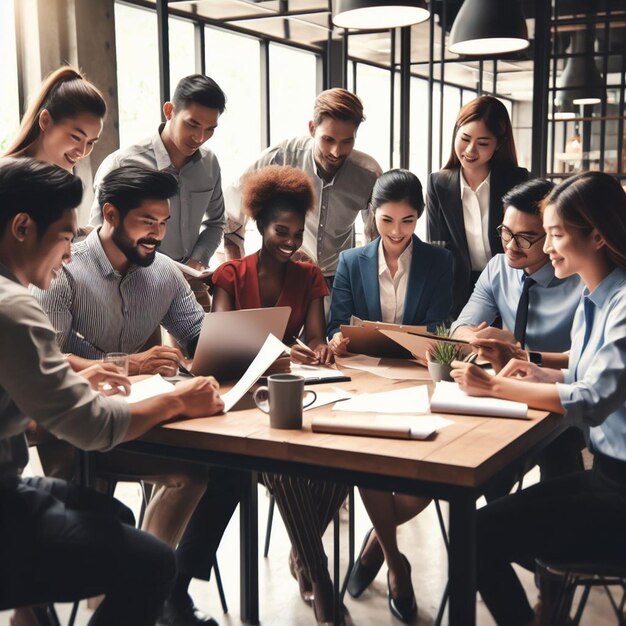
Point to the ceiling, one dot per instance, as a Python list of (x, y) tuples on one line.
[(307, 22)]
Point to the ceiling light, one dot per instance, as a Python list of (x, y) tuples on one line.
[(374, 14), (488, 27)]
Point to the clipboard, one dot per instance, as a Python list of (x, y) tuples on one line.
[(418, 343)]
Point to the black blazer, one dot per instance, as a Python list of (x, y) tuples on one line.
[(444, 221)]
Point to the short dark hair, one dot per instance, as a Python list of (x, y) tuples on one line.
[(528, 196), (399, 186), (199, 89), (41, 190), (127, 187)]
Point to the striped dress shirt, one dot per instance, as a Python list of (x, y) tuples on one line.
[(95, 309)]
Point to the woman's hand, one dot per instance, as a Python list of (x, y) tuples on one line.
[(105, 378), (498, 352), (339, 344), (324, 354), (304, 354), (473, 380), (530, 372), (282, 365)]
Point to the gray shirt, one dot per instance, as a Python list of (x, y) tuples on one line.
[(197, 211), (96, 309), (329, 228), (36, 382)]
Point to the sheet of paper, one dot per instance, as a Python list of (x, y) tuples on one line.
[(358, 362), (271, 350), (329, 397), (419, 343), (412, 400), (448, 398), (185, 269), (148, 388), (396, 426), (317, 372)]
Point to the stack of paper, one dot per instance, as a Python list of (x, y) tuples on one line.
[(448, 398), (394, 426), (410, 400), (148, 388)]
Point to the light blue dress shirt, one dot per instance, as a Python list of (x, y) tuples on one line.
[(594, 388), (551, 308)]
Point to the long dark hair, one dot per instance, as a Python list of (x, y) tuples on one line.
[(64, 94), (493, 113), (594, 200)]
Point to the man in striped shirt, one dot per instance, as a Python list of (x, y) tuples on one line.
[(112, 295)]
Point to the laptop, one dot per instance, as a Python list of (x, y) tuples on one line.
[(230, 340)]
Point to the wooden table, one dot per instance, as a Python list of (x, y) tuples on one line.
[(455, 466)]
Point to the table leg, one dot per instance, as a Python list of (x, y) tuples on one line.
[(462, 560), (249, 552)]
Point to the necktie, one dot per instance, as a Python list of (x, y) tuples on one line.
[(521, 317)]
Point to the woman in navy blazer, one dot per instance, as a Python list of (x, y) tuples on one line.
[(396, 278), (483, 145), (398, 203)]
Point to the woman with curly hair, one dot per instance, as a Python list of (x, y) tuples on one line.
[(278, 198)]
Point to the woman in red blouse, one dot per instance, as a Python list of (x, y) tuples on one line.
[(278, 198)]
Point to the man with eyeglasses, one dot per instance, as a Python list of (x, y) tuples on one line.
[(537, 310), (519, 286)]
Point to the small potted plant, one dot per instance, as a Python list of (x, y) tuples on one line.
[(440, 356)]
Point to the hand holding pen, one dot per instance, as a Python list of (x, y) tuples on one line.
[(301, 353)]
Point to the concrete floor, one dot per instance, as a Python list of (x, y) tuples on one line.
[(280, 604)]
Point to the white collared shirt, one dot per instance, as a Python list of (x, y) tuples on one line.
[(476, 218), (393, 290)]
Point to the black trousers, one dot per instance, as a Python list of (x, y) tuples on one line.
[(60, 542), (580, 517)]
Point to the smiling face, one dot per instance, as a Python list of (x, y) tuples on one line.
[(396, 223), (41, 257), (67, 141), (282, 236), (529, 226), (474, 145), (334, 141), (570, 250), (188, 128), (140, 233)]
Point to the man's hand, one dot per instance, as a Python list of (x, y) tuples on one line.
[(530, 372), (158, 360), (105, 378), (197, 282), (496, 333), (324, 354), (200, 396), (339, 344), (498, 352), (473, 380)]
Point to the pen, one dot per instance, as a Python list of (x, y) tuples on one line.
[(184, 370), (93, 345)]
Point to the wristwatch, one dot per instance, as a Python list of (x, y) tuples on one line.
[(536, 358)]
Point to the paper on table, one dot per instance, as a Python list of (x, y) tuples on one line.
[(271, 350), (410, 400), (359, 362), (448, 398), (148, 388), (316, 372), (328, 397), (396, 426), (192, 271)]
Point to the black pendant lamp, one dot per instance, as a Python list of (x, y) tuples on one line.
[(374, 14), (488, 27), (581, 82)]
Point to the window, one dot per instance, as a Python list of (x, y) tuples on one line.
[(237, 140), (182, 50), (292, 91), (9, 103), (137, 72), (373, 87)]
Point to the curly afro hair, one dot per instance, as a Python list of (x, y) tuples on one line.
[(276, 188)]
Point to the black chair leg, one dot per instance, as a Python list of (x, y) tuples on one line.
[(73, 614), (220, 587), (46, 615), (268, 529)]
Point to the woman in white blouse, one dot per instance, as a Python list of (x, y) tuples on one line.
[(399, 279), (580, 517)]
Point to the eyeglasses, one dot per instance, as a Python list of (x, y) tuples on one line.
[(520, 241)]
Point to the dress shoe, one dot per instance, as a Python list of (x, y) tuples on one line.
[(182, 612), (304, 583), (361, 575), (403, 608)]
